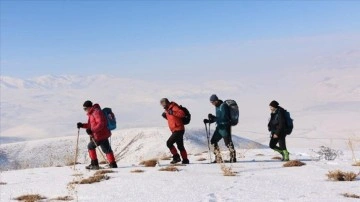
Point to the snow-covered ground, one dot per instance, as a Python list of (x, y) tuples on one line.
[(259, 178)]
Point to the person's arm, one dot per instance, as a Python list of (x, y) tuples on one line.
[(164, 115), (100, 121), (85, 125), (269, 124)]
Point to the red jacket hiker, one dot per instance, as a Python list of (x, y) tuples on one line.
[(97, 128), (97, 123), (175, 118)]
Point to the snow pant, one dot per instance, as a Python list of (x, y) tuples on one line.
[(281, 140), (105, 147), (228, 142), (178, 138)]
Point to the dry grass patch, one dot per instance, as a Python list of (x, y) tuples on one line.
[(276, 158), (3, 183), (294, 163), (137, 171), (30, 198), (149, 163), (198, 154), (347, 195), (201, 159), (259, 155), (338, 175), (63, 198), (92, 179), (78, 175), (169, 168), (103, 172), (356, 164), (227, 171), (205, 152)]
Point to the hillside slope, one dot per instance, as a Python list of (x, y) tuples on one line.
[(130, 146)]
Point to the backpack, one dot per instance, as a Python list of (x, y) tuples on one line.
[(110, 117), (187, 118), (289, 123), (234, 111)]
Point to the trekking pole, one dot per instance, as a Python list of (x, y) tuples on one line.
[(76, 148), (97, 146), (208, 140)]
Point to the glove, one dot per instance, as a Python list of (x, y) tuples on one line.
[(89, 132), (164, 115), (211, 117), (206, 121), (79, 125), (170, 112)]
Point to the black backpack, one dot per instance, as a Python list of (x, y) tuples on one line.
[(289, 122), (187, 118)]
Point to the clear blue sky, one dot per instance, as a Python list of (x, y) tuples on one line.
[(131, 37)]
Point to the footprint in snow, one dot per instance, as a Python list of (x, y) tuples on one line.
[(212, 198)]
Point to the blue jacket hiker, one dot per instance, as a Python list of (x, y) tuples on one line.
[(223, 128)]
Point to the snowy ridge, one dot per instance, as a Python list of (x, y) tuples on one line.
[(130, 146)]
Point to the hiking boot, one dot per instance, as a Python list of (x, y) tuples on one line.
[(286, 155), (113, 165), (218, 159), (186, 161), (176, 159), (93, 166), (282, 154), (232, 156), (232, 160)]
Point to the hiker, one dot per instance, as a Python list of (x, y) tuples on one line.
[(277, 126), (97, 129), (174, 116), (223, 128)]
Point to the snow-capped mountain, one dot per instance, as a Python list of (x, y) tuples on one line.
[(50, 106)]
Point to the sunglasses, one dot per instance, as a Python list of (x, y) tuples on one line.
[(86, 108)]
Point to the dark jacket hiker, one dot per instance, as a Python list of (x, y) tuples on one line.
[(277, 127)]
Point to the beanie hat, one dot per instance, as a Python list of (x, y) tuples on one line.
[(88, 103), (164, 100), (213, 98), (274, 104)]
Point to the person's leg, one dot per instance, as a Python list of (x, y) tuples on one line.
[(282, 146), (92, 154), (106, 148), (170, 144), (229, 143), (272, 145), (214, 141), (181, 147)]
